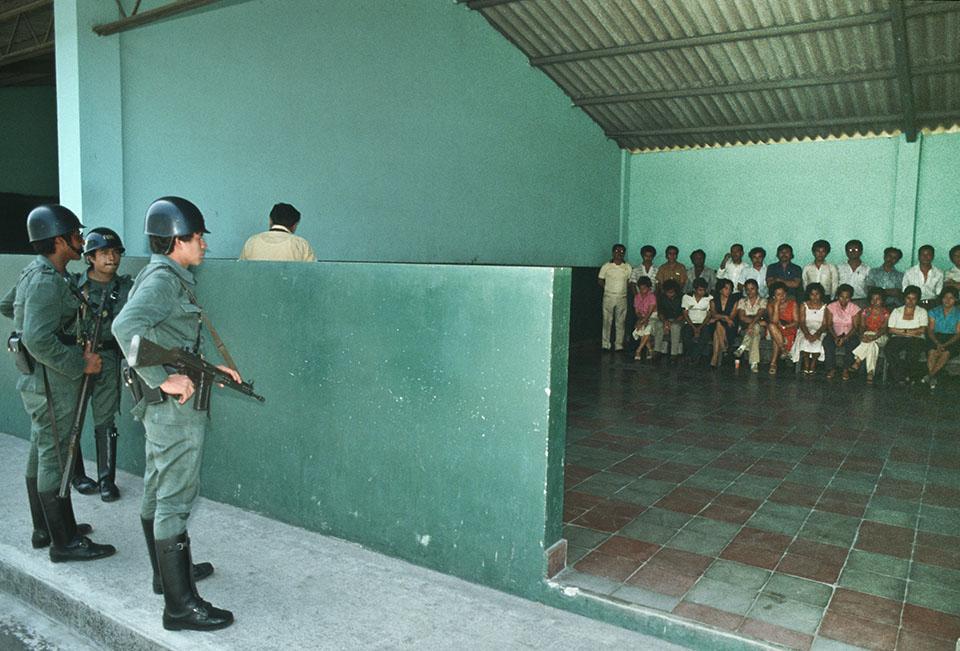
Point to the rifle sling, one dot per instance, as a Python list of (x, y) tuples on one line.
[(51, 409), (217, 341)]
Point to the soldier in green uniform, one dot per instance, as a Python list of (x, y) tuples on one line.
[(43, 309), (162, 308), (103, 249)]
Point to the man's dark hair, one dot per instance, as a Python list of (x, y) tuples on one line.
[(954, 249), (821, 244), (283, 214), (45, 247), (735, 245), (893, 249), (672, 248), (164, 245), (929, 247), (856, 243), (784, 246), (671, 285), (648, 248), (758, 249), (698, 252)]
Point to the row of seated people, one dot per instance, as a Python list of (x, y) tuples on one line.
[(701, 326)]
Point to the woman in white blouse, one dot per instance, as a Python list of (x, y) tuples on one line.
[(907, 325)]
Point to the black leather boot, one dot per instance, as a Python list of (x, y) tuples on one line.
[(184, 609), (106, 438), (200, 570), (68, 544), (41, 537), (80, 481)]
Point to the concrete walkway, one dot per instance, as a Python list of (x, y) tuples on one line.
[(288, 587)]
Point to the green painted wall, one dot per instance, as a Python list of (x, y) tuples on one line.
[(28, 156), (417, 409), (938, 196), (404, 131), (871, 189)]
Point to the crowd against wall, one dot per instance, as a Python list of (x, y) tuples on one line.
[(844, 317)]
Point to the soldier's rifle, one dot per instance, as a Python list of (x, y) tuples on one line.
[(144, 352), (86, 388)]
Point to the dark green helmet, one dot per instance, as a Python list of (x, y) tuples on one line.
[(173, 216), (102, 238), (51, 220)]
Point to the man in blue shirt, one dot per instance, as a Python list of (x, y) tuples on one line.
[(786, 272)]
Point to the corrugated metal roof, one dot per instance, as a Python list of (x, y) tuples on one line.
[(658, 74)]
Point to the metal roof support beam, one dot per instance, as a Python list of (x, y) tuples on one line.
[(908, 119), (153, 15), (22, 9), (26, 53), (775, 126), (715, 39), (773, 85), (483, 4)]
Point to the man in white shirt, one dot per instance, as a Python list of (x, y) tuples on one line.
[(925, 276), (280, 243), (613, 278), (757, 270), (645, 268), (821, 271), (853, 272), (952, 277), (732, 268)]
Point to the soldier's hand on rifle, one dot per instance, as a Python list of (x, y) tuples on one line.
[(178, 385), (92, 364), (232, 373)]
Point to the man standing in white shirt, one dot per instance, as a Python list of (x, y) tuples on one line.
[(613, 278), (732, 268), (952, 277), (925, 276), (853, 272), (821, 271), (280, 243), (757, 270)]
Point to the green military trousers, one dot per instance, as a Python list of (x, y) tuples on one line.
[(48, 453), (105, 398), (174, 452)]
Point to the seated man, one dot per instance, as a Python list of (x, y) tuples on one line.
[(669, 320), (280, 243), (887, 278), (785, 272), (925, 276), (699, 270)]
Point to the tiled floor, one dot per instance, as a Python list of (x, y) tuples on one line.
[(809, 513)]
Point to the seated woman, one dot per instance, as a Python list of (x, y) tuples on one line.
[(751, 314), (943, 331), (907, 326), (669, 320), (645, 307), (872, 328), (696, 311), (722, 326), (782, 324), (842, 334), (814, 324)]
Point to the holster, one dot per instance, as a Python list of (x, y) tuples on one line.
[(21, 356), (139, 389)]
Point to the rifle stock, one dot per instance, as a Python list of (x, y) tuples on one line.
[(83, 397), (144, 352)]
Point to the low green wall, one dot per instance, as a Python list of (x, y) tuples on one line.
[(416, 409)]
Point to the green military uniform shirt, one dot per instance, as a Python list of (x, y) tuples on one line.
[(105, 398)]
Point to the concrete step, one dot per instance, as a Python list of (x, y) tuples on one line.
[(288, 587)]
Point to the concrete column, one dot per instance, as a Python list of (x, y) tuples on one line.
[(89, 119), (905, 199)]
